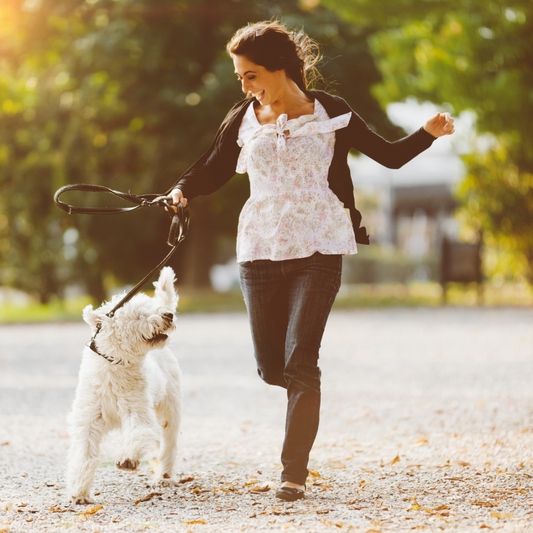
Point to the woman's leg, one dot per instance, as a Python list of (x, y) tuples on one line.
[(265, 294), (313, 285), (288, 305)]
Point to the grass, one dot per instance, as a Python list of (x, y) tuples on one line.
[(430, 295), (350, 297), (57, 311)]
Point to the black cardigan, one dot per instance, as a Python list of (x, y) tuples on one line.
[(217, 166)]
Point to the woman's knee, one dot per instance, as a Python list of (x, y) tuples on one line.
[(272, 377)]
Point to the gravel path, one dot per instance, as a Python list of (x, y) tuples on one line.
[(427, 424)]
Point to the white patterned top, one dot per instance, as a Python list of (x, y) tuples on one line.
[(291, 213)]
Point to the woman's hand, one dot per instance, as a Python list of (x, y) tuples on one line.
[(177, 197), (441, 124)]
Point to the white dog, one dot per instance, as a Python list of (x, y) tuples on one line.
[(131, 382)]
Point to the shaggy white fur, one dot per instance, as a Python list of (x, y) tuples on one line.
[(140, 393)]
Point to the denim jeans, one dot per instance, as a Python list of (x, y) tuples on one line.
[(288, 306)]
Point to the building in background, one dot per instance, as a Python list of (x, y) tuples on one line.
[(411, 208)]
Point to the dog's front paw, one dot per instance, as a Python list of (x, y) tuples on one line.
[(81, 500), (127, 464), (164, 481)]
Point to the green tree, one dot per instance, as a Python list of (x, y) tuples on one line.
[(128, 93), (468, 55)]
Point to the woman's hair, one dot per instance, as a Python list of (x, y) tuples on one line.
[(273, 46)]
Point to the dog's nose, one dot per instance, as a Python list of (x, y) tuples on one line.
[(168, 316)]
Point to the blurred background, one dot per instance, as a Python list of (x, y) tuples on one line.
[(129, 93)]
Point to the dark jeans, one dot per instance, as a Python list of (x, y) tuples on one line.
[(288, 306)]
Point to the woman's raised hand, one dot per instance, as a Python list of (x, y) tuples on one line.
[(441, 124)]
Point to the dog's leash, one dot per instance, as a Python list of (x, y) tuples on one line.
[(179, 227)]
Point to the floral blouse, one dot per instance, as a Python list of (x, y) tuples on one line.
[(291, 213)]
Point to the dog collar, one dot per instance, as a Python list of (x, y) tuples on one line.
[(92, 345)]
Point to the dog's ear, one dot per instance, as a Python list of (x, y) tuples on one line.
[(91, 317), (164, 287)]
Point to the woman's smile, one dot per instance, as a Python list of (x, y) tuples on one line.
[(259, 95)]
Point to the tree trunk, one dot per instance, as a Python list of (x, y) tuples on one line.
[(199, 254)]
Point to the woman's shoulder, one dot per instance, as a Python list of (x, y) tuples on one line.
[(230, 125), (330, 100), (240, 107)]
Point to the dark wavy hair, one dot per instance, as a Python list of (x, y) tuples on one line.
[(273, 46)]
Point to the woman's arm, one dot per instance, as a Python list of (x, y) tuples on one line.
[(396, 154), (217, 166)]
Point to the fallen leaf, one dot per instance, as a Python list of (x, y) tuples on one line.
[(4, 530), (4, 443), (485, 504), (395, 460), (463, 463), (501, 516), (314, 473), (202, 521), (415, 506), (90, 511), (421, 441), (148, 497), (483, 526), (186, 479), (265, 487)]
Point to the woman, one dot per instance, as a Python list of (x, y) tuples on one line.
[(293, 230)]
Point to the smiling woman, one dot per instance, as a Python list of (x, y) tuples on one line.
[(293, 231)]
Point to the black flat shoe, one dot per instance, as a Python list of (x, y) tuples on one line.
[(290, 494)]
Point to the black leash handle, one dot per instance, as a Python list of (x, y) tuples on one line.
[(140, 201), (180, 219), (179, 226)]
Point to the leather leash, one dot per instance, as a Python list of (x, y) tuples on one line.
[(179, 227)]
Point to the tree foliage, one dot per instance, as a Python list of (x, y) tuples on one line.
[(469, 55), (128, 93)]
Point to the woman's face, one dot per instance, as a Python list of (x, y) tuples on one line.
[(268, 87)]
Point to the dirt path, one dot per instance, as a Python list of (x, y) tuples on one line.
[(427, 424)]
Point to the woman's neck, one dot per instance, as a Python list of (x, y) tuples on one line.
[(293, 102)]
